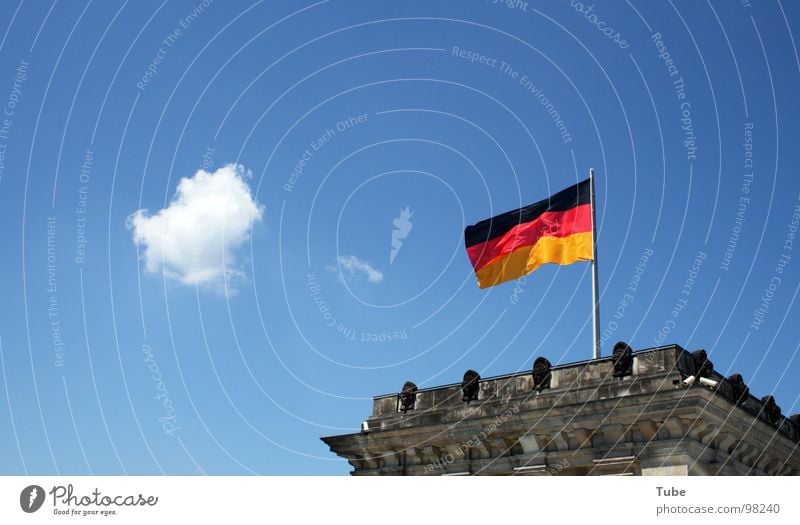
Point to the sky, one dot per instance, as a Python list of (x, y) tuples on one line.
[(227, 225)]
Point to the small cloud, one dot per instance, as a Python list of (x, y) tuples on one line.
[(193, 240), (402, 227), (350, 266)]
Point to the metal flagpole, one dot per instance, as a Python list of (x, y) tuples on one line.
[(595, 294)]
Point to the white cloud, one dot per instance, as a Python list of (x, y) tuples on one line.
[(350, 265), (194, 238)]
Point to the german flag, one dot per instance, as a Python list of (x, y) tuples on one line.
[(556, 230)]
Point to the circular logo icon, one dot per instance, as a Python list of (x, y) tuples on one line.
[(31, 498)]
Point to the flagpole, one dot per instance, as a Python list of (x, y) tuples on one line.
[(595, 294)]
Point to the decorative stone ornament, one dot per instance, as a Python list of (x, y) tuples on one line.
[(408, 396), (703, 367), (470, 386), (622, 359), (740, 391), (771, 410), (541, 374), (795, 420)]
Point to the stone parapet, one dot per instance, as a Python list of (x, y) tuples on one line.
[(664, 411)]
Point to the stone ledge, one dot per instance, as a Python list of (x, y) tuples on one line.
[(666, 398)]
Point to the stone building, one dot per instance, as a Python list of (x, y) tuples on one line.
[(659, 411)]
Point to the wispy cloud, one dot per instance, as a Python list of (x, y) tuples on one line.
[(402, 227), (351, 266), (194, 239)]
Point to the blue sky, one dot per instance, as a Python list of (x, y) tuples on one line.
[(254, 308)]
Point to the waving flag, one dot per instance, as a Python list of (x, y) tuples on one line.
[(556, 230)]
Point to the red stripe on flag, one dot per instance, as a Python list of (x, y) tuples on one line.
[(548, 224)]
